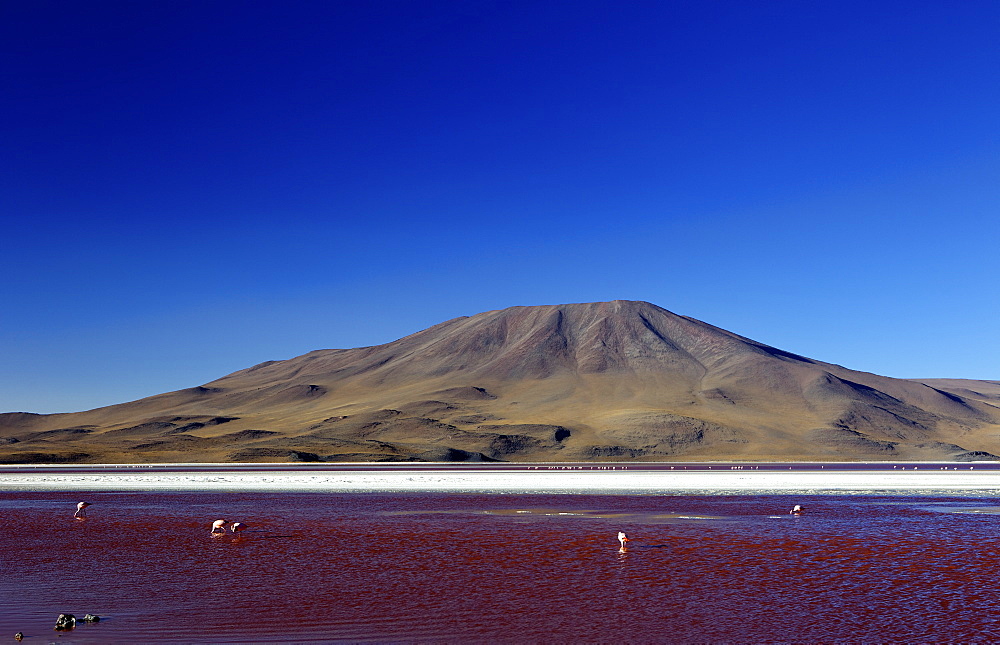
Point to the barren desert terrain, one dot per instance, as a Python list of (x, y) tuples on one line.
[(610, 381)]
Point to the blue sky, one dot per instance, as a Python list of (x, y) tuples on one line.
[(191, 188)]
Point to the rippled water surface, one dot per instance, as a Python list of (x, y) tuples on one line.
[(500, 568)]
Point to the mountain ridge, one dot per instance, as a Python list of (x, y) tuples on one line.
[(583, 381)]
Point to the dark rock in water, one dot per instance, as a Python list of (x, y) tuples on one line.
[(92, 618), (65, 622)]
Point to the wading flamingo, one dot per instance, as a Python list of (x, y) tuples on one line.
[(237, 527), (622, 538), (81, 510), (797, 510), (219, 526)]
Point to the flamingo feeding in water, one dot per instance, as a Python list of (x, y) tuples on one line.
[(237, 527), (219, 526), (622, 538), (796, 510), (81, 511)]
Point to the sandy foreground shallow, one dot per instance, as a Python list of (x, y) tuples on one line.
[(442, 479)]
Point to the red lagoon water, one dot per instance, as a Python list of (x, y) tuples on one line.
[(500, 568)]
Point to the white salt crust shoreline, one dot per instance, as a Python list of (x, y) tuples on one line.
[(574, 482)]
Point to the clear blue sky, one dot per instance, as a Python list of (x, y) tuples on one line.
[(191, 188)]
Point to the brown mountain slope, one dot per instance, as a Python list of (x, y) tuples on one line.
[(615, 380)]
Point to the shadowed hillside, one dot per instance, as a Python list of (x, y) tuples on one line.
[(601, 381)]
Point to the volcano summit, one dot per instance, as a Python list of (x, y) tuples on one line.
[(603, 381)]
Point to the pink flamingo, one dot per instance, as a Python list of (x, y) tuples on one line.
[(81, 511), (238, 526), (623, 539), (219, 526)]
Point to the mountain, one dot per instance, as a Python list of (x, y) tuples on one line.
[(615, 380)]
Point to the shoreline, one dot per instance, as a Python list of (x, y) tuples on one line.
[(714, 478)]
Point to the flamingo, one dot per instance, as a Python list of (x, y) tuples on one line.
[(81, 510), (238, 526), (219, 526), (622, 538), (796, 510)]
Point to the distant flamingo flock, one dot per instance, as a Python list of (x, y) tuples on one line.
[(219, 527)]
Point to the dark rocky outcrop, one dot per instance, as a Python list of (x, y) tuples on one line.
[(272, 454), (65, 622)]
